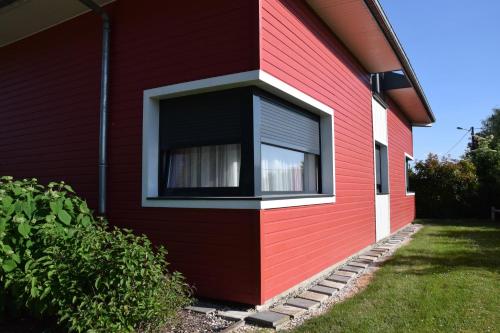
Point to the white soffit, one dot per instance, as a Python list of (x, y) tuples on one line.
[(23, 18), (353, 23)]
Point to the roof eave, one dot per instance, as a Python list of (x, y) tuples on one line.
[(379, 14)]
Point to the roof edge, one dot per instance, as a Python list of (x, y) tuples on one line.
[(382, 20)]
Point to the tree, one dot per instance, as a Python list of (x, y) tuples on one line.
[(486, 159), (444, 187), (491, 127)]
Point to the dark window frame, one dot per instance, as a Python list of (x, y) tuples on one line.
[(250, 172), (409, 188)]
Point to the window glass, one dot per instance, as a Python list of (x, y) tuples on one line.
[(285, 170), (378, 168), (409, 169), (205, 166)]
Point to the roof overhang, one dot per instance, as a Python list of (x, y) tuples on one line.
[(22, 18), (364, 29)]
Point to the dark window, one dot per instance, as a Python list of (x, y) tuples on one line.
[(409, 170), (286, 170), (205, 144), (290, 148), (237, 142), (378, 168), (381, 169)]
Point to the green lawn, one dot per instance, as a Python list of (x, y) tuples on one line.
[(446, 280)]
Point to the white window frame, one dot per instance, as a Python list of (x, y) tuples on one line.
[(407, 157), (263, 80)]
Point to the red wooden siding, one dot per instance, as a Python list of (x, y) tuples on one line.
[(300, 242), (49, 92), (400, 142)]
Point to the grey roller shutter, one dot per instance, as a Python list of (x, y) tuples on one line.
[(206, 119), (289, 127)]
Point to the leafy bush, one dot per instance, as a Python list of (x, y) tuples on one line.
[(486, 158), (56, 259), (444, 187)]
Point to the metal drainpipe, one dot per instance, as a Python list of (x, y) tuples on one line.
[(103, 105)]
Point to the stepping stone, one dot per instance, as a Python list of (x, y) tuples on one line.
[(368, 258), (338, 278), (358, 264), (373, 254), (312, 296), (267, 319), (344, 273), (393, 242), (233, 315), (354, 269), (200, 309), (329, 291), (331, 284), (288, 310), (302, 303), (380, 250)]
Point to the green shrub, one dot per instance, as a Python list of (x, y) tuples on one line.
[(56, 259), (444, 188)]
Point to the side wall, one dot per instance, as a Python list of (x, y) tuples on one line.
[(400, 142), (49, 104), (297, 243)]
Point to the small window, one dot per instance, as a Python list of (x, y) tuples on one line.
[(409, 164), (381, 169), (286, 170)]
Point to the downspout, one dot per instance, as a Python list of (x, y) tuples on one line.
[(103, 104)]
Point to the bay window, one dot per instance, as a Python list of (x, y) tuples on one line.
[(242, 147)]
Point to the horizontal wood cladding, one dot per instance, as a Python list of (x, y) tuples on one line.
[(297, 243), (400, 142), (49, 121)]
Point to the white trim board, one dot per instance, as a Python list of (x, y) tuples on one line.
[(261, 79)]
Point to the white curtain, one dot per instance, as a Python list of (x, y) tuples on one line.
[(282, 170), (206, 166)]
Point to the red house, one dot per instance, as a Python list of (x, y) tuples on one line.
[(262, 142)]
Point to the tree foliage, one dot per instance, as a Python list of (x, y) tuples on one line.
[(444, 187)]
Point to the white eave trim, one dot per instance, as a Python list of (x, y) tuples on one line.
[(259, 78)]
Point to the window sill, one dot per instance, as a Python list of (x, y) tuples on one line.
[(264, 202), (410, 194)]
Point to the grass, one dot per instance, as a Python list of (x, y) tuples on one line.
[(446, 280)]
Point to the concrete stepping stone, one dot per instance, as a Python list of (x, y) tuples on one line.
[(367, 258), (372, 254), (358, 264), (302, 303), (329, 291), (288, 310), (312, 296), (344, 273), (200, 309), (353, 269), (338, 278), (267, 319), (380, 250), (331, 284), (233, 315)]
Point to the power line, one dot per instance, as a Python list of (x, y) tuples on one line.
[(458, 142)]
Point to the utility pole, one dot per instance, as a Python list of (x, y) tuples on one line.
[(472, 136)]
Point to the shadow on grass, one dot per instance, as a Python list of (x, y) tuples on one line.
[(455, 244)]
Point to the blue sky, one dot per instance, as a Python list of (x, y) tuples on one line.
[(454, 47)]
